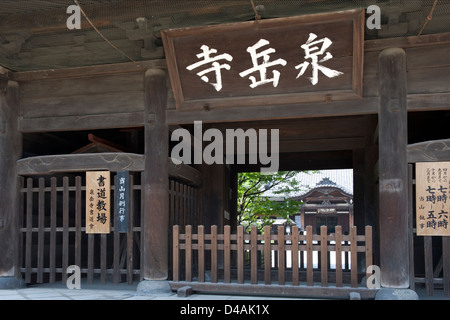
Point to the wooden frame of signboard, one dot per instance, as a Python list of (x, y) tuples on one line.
[(285, 35)]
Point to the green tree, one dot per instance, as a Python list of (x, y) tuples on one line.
[(254, 205)]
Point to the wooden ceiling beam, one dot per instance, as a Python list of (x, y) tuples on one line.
[(301, 161), (104, 15)]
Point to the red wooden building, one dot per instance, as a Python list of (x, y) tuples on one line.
[(326, 204)]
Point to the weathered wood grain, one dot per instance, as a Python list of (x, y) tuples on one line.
[(429, 151), (42, 165), (10, 151), (155, 187), (393, 172)]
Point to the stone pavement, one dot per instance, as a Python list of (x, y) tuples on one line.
[(109, 291), (123, 291)]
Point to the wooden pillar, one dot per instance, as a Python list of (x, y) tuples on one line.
[(10, 152), (155, 230), (393, 169)]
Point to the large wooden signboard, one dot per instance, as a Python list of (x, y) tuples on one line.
[(267, 62), (432, 198), (98, 204)]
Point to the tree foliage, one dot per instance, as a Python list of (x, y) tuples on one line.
[(254, 204)]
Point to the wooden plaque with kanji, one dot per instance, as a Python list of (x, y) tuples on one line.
[(98, 206)]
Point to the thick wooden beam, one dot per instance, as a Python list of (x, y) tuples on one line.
[(156, 179), (364, 106), (83, 72), (45, 165), (303, 110), (82, 122), (406, 42), (428, 151), (10, 151), (393, 169), (111, 161), (105, 14), (275, 290)]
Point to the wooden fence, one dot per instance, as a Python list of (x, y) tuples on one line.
[(53, 234), (436, 258), (53, 230), (227, 264)]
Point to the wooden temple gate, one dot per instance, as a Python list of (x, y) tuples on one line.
[(356, 120)]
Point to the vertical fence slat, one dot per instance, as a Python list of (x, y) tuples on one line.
[(281, 256), (19, 257), (368, 244), (353, 257), (323, 256), (188, 252), (65, 254), (29, 234), (309, 257), (428, 251), (41, 221), (179, 214), (240, 254), (189, 198), (142, 217), (253, 254), (227, 254), (90, 273), (172, 203), (346, 257), (176, 253), (78, 221), (53, 196), (267, 256), (213, 254), (116, 240), (103, 248), (338, 241), (294, 255), (201, 253), (183, 203), (446, 265)]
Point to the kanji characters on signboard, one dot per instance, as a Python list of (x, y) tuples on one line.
[(263, 70)]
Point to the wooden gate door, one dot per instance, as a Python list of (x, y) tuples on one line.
[(53, 232), (430, 255)]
